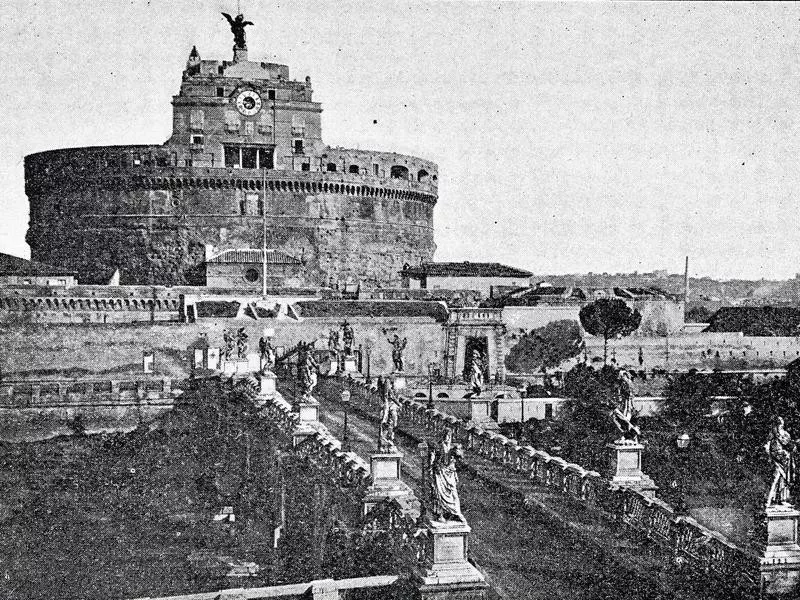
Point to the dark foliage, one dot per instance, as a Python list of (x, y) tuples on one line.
[(546, 347), (757, 320), (609, 317)]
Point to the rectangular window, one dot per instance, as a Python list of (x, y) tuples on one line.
[(376, 169), (305, 166), (232, 122), (232, 157), (248, 128), (265, 158), (197, 120), (249, 157), (548, 411), (221, 70), (298, 125), (271, 94), (253, 201), (220, 92), (297, 146), (198, 140)]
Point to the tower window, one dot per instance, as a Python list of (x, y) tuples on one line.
[(270, 94), (376, 169), (198, 140), (249, 158), (221, 70), (220, 92), (298, 146)]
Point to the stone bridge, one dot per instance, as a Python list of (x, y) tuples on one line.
[(540, 527)]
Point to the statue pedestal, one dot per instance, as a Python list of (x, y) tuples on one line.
[(400, 381), (349, 364), (235, 366), (308, 409), (626, 467), (780, 556), (480, 412), (386, 483), (446, 572), (266, 382)]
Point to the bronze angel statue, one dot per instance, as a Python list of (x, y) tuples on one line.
[(237, 27)]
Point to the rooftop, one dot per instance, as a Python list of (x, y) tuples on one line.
[(14, 265), (465, 269)]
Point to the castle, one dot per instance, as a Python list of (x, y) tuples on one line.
[(245, 166)]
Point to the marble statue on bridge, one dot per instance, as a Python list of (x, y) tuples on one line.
[(348, 337), (307, 369), (389, 417), (779, 448), (622, 414), (476, 373), (267, 352), (445, 503), (242, 344)]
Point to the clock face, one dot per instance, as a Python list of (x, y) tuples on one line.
[(248, 103)]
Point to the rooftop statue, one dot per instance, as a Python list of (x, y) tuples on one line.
[(237, 27), (779, 448)]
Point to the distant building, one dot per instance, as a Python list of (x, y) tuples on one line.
[(19, 271), (533, 307), (243, 269), (482, 277)]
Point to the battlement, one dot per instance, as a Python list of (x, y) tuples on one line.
[(339, 170)]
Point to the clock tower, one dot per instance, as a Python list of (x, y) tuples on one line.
[(244, 114)]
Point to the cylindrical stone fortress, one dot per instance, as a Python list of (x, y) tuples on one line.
[(246, 156)]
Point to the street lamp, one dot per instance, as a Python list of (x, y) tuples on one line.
[(430, 385), (682, 443), (346, 404)]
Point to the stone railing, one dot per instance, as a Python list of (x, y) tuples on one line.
[(126, 392), (323, 589), (324, 451), (691, 543)]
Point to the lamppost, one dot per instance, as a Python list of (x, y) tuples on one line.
[(346, 404), (682, 443), (430, 385)]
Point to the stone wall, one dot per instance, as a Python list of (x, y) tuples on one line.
[(30, 350), (132, 208)]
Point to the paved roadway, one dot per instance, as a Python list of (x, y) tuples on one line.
[(525, 553)]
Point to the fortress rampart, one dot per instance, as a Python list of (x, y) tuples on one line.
[(140, 210)]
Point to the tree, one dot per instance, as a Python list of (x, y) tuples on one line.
[(609, 317), (546, 347)]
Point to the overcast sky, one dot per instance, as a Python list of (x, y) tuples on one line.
[(569, 137)]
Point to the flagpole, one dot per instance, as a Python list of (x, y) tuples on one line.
[(263, 233)]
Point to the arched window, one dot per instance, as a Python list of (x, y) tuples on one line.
[(353, 169), (331, 168), (422, 175), (399, 172)]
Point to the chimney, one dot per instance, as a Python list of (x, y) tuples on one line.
[(686, 281)]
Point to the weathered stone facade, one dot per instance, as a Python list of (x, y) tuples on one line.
[(246, 147)]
